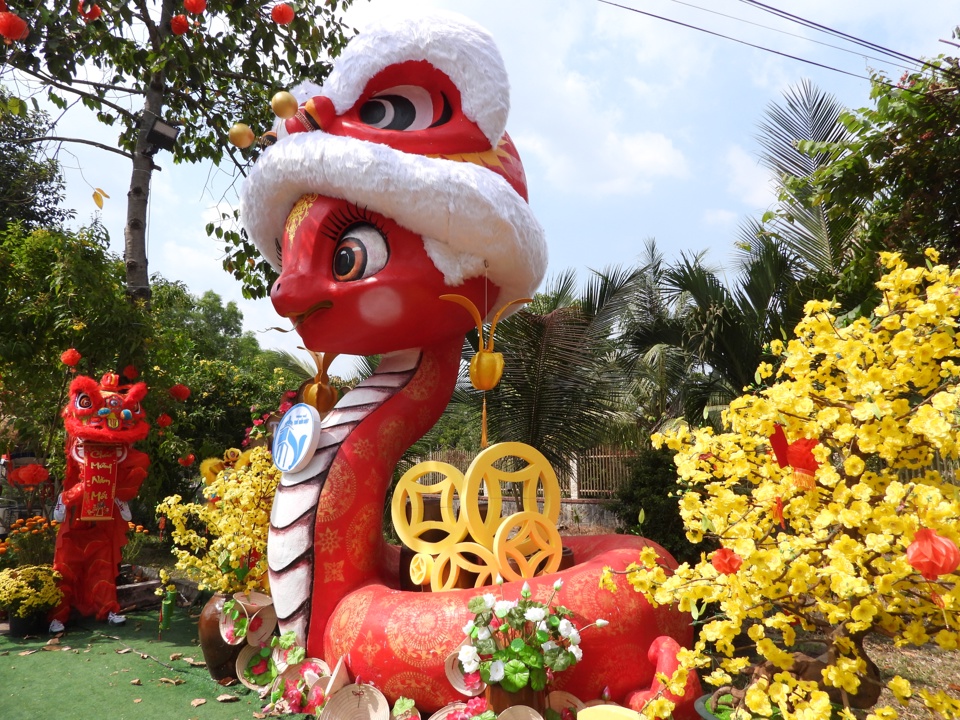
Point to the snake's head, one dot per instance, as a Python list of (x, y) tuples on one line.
[(355, 282)]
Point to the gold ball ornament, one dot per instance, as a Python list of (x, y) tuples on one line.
[(284, 105), (242, 136)]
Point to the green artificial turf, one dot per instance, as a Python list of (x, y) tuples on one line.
[(89, 674)]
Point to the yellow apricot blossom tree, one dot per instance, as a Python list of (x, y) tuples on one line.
[(830, 517), (223, 542)]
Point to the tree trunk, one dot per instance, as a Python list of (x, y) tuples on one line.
[(138, 197)]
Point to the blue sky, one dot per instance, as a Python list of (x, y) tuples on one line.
[(629, 127)]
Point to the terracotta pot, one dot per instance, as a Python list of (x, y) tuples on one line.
[(220, 656), (499, 699)]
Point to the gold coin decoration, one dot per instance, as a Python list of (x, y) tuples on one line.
[(473, 538), (513, 540)]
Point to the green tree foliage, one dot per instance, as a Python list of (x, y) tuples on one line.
[(31, 187), (652, 490), (232, 58), (897, 174), (60, 290), (563, 384), (724, 331), (66, 290)]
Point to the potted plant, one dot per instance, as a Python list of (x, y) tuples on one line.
[(516, 646), (222, 543), (27, 594), (832, 518)]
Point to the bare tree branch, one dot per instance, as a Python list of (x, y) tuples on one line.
[(115, 88), (53, 83), (52, 138), (237, 76), (144, 12)]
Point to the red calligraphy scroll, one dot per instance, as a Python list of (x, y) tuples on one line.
[(99, 480)]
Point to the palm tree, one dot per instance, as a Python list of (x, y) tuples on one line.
[(564, 384), (722, 333), (824, 242)]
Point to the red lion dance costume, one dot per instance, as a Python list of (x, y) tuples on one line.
[(103, 472)]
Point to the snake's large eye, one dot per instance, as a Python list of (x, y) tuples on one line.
[(361, 251), (405, 107), (83, 401)]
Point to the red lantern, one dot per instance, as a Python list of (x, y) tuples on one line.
[(726, 561), (282, 14), (70, 357), (188, 460), (932, 555), (195, 6), (29, 476), (13, 27), (88, 15), (179, 24), (164, 420), (130, 372), (180, 392)]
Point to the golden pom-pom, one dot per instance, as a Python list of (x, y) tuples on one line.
[(241, 135), (284, 105)]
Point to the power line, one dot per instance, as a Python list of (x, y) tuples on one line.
[(733, 39), (790, 34), (838, 33), (778, 52)]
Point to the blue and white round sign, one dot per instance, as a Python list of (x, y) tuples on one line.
[(296, 438)]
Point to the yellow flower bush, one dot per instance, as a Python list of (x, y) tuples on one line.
[(223, 542), (29, 589), (876, 399)]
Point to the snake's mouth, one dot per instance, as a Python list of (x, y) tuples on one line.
[(299, 318)]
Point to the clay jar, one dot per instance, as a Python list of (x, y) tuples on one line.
[(220, 656)]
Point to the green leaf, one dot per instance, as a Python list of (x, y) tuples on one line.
[(564, 660), (515, 676), (538, 679), (530, 657), (402, 706), (477, 604), (485, 647)]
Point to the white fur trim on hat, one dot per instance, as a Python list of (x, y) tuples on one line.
[(467, 214), (459, 47)]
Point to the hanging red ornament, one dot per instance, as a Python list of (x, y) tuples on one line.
[(726, 561), (778, 512), (164, 420), (282, 14), (798, 455), (130, 372), (13, 27), (179, 24), (180, 392), (88, 11), (932, 555), (187, 461), (29, 476), (70, 357), (195, 6)]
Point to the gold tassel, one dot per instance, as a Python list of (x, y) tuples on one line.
[(483, 423)]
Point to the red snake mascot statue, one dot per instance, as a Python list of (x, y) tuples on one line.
[(393, 184), (103, 472)]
